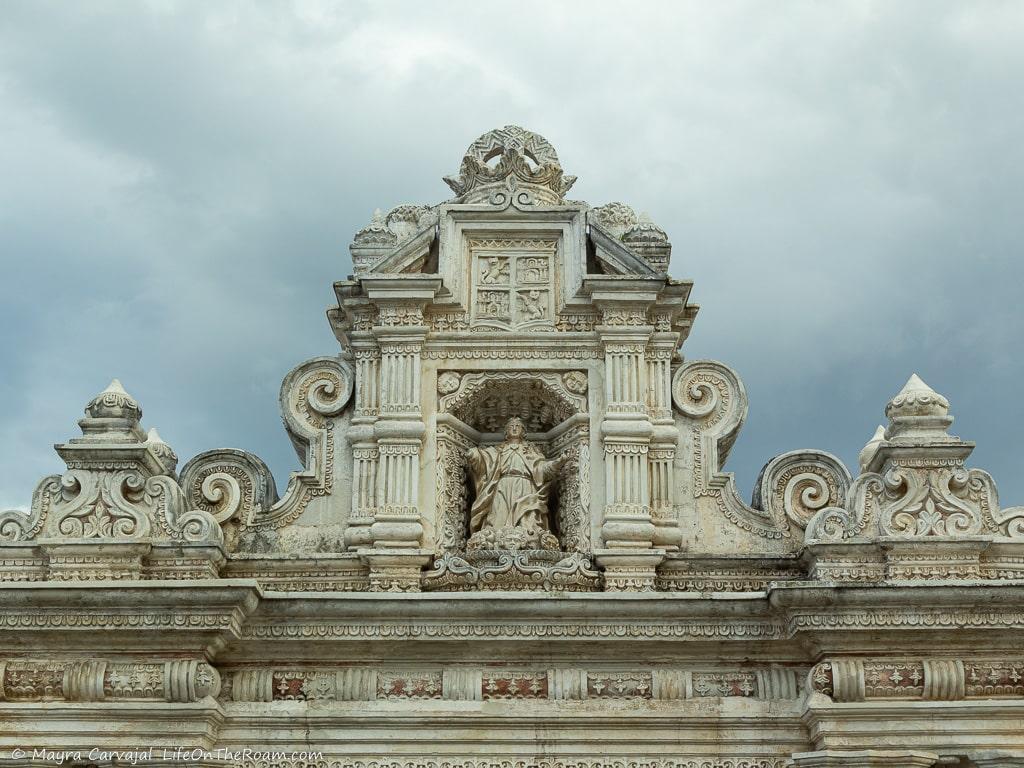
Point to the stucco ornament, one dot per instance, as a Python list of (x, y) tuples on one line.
[(118, 511), (509, 416), (512, 482), (511, 165), (916, 510)]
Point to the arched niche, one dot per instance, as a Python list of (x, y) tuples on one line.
[(472, 411)]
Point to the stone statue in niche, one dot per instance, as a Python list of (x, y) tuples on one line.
[(512, 483)]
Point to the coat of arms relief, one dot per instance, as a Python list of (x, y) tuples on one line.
[(512, 284)]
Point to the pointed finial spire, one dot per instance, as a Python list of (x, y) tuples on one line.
[(868, 451), (918, 411), (917, 399), (114, 403), (162, 450)]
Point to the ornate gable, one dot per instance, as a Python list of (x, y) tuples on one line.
[(509, 421)]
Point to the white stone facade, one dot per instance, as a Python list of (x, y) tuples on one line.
[(616, 603)]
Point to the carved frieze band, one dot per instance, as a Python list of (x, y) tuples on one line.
[(469, 684), (98, 680), (533, 762), (845, 680)]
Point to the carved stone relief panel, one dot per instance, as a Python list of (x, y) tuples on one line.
[(513, 282)]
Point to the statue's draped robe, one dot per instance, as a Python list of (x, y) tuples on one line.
[(512, 482)]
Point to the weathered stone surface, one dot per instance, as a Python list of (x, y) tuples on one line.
[(512, 542)]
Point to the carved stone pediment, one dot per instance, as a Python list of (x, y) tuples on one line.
[(510, 421)]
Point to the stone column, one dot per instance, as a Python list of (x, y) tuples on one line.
[(629, 557), (360, 434), (664, 438), (396, 553)]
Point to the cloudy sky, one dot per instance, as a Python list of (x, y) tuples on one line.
[(179, 183)]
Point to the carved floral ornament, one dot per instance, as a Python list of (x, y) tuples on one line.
[(119, 485), (913, 482)]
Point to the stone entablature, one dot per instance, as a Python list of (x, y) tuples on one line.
[(512, 541)]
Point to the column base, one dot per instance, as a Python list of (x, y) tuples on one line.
[(395, 570), (629, 570)]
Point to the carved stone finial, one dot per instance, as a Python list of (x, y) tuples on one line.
[(649, 240), (527, 167), (635, 231), (161, 450), (114, 403), (376, 233), (387, 232), (914, 485), (407, 220), (918, 412), (868, 451), (617, 218), (113, 415)]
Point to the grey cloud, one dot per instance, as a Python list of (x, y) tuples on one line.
[(180, 181)]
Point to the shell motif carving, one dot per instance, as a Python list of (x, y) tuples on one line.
[(487, 400)]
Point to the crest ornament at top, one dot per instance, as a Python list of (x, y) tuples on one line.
[(511, 165)]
